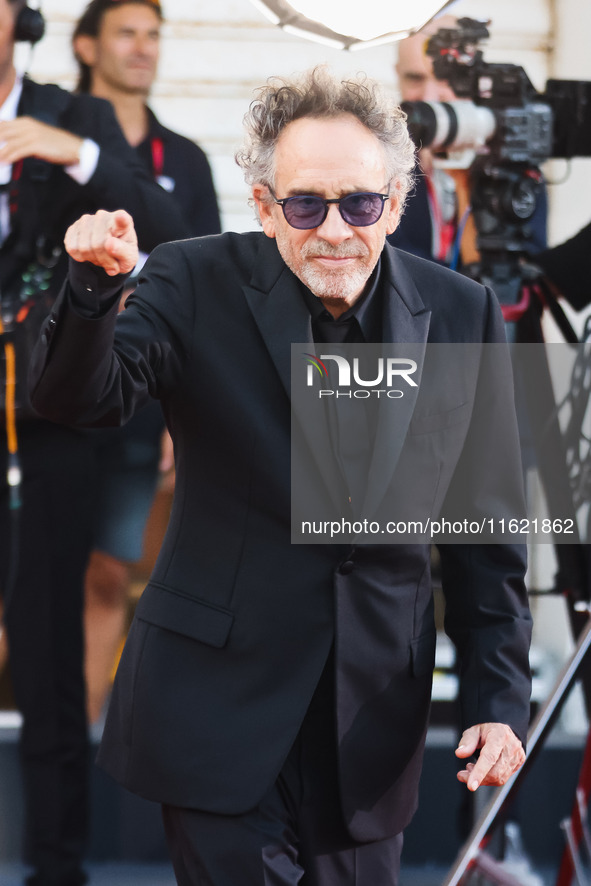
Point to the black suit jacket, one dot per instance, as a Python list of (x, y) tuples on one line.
[(234, 628)]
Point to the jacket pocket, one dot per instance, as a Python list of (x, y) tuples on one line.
[(185, 615), (428, 424)]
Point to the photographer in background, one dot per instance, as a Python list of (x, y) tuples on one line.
[(60, 155), (431, 221), (117, 46), (429, 224)]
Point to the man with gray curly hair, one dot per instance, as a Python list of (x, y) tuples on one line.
[(274, 696), (322, 112), (318, 95)]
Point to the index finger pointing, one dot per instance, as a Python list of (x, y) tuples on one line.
[(121, 223), (488, 757)]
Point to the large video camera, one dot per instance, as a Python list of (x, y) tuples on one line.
[(512, 127), (504, 111)]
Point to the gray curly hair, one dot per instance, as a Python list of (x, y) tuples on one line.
[(317, 93)]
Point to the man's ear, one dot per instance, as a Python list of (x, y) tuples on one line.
[(85, 49), (266, 207), (393, 216)]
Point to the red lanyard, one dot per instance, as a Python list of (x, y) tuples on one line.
[(444, 231), (157, 146), (17, 170)]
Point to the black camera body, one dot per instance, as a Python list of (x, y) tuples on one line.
[(513, 129)]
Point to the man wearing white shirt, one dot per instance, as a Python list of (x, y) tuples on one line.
[(60, 155)]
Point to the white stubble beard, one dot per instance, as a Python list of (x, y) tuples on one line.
[(336, 286)]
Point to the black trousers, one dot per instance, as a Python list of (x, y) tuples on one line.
[(48, 551), (296, 835)]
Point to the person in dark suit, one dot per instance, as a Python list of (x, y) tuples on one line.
[(429, 224), (117, 46), (273, 696), (60, 156)]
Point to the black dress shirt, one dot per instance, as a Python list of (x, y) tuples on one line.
[(351, 422)]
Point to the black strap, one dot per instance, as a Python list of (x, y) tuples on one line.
[(32, 204)]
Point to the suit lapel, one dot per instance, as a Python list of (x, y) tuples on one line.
[(283, 319), (405, 325), (278, 308)]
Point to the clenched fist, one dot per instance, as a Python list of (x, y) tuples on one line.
[(106, 239)]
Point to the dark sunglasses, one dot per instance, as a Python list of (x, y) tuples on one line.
[(306, 211)]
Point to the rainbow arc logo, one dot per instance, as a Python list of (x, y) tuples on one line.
[(315, 362)]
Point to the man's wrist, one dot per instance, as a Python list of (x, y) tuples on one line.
[(88, 156), (92, 291)]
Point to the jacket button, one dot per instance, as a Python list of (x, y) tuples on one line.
[(52, 322), (346, 567)]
